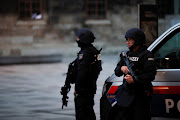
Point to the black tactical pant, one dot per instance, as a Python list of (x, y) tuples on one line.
[(139, 110), (84, 107)]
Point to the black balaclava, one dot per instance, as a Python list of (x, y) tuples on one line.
[(136, 34), (86, 37)]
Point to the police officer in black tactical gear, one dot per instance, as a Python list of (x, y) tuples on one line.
[(134, 94), (88, 69)]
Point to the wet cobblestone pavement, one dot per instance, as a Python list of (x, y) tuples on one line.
[(32, 91)]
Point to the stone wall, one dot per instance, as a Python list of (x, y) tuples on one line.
[(61, 19)]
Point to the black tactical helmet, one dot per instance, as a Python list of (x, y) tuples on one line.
[(136, 34), (85, 36)]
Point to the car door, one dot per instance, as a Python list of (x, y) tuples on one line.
[(166, 90)]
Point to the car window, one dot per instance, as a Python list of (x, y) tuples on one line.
[(168, 54)]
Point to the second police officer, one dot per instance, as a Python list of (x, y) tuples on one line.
[(88, 69), (133, 95)]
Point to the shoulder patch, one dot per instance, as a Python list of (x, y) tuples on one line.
[(99, 57), (150, 59), (80, 56)]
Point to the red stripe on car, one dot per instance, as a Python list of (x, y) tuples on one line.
[(166, 89), (112, 90), (156, 90)]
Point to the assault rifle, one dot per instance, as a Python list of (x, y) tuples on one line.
[(64, 91), (127, 63), (70, 78), (148, 86)]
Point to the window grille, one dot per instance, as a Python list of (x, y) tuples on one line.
[(165, 7), (96, 9), (30, 9)]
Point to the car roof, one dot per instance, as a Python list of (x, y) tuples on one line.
[(160, 38)]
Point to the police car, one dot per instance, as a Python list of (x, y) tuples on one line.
[(165, 103)]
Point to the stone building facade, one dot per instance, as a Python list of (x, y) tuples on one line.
[(33, 27)]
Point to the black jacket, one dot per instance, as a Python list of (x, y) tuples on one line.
[(143, 65), (88, 69)]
